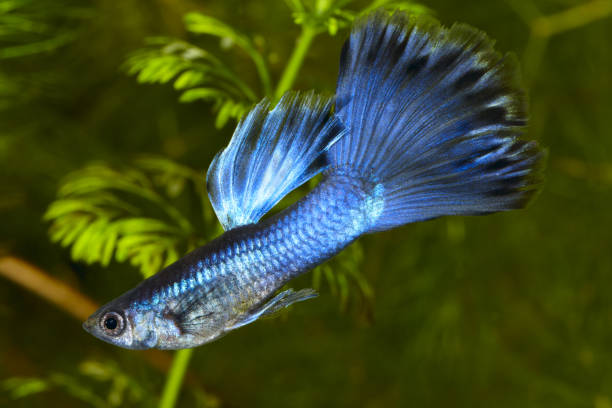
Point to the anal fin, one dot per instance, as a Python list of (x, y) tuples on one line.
[(278, 302)]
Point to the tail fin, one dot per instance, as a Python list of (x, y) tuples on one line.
[(433, 114)]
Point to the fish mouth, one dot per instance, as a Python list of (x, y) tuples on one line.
[(89, 325)]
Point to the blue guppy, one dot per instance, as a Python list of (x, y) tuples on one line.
[(426, 122)]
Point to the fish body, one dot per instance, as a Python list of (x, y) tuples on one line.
[(426, 124), (231, 277)]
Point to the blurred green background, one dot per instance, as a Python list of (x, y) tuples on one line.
[(509, 310)]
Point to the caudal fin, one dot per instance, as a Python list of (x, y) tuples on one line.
[(433, 115)]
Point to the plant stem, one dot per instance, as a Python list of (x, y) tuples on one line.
[(262, 70), (295, 61), (175, 378)]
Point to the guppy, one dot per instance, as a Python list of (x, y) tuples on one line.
[(426, 122)]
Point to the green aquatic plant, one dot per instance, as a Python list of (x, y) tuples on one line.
[(29, 27), (128, 214), (100, 384), (96, 383), (196, 73), (199, 74)]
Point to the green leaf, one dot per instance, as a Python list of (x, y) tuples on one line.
[(194, 71), (97, 216), (26, 31), (343, 275), (202, 24), (202, 93), (404, 5), (79, 224), (108, 247), (225, 112), (122, 390), (331, 16), (189, 79), (85, 241), (23, 387)]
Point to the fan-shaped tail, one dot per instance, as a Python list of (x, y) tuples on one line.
[(433, 115)]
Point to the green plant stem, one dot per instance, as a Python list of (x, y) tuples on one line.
[(262, 70), (295, 61), (174, 380)]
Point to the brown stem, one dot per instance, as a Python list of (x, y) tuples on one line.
[(47, 287)]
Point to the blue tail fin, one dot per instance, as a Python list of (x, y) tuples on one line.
[(433, 115)]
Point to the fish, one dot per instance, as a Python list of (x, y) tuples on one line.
[(427, 121)]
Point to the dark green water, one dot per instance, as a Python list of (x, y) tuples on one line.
[(510, 310)]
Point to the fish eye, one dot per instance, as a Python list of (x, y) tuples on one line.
[(112, 323)]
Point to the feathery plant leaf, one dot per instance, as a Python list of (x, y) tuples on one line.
[(343, 274), (200, 75), (28, 27), (404, 5), (103, 213), (19, 387), (198, 23), (121, 388), (195, 72), (331, 15), (321, 15)]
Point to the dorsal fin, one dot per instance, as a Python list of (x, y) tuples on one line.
[(270, 154)]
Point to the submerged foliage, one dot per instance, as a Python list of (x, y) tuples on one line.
[(201, 75), (332, 15), (99, 384), (128, 214), (198, 73), (30, 27)]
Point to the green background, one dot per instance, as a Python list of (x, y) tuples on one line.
[(508, 310)]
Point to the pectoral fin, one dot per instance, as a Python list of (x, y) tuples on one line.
[(275, 304)]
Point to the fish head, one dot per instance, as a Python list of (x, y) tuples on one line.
[(123, 326)]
